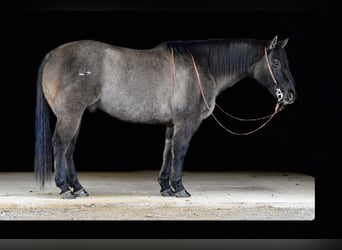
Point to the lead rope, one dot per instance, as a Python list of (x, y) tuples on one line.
[(260, 118), (242, 119), (277, 108), (264, 117)]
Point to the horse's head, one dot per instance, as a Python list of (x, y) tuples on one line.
[(273, 71)]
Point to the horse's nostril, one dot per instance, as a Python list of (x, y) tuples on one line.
[(290, 96)]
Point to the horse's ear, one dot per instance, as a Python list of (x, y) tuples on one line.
[(283, 42), (273, 43)]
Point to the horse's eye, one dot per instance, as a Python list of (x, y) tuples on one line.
[(275, 62)]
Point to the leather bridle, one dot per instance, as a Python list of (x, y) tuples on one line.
[(278, 92)]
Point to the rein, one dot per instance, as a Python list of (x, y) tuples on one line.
[(278, 107)]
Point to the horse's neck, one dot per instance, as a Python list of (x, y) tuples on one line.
[(232, 61), (230, 80)]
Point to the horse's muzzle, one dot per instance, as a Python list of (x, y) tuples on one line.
[(289, 97)]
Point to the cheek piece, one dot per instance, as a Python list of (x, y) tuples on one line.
[(279, 94)]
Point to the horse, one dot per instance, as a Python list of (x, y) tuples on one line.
[(174, 83)]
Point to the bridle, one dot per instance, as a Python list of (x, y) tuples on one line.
[(279, 94)]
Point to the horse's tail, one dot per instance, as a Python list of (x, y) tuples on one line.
[(43, 144)]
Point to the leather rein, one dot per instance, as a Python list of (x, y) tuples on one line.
[(278, 107)]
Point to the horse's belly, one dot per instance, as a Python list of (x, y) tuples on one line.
[(133, 109)]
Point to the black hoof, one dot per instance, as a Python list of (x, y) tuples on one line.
[(167, 192), (68, 195), (182, 194), (80, 193)]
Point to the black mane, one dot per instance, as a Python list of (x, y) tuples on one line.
[(221, 56)]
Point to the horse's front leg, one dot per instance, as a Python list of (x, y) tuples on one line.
[(183, 132), (164, 174)]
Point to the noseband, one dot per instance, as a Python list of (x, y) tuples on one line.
[(278, 92)]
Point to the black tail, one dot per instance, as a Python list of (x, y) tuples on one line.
[(43, 146)]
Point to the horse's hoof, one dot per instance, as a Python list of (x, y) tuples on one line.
[(80, 193), (182, 194), (167, 192), (68, 195)]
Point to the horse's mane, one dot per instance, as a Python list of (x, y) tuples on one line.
[(221, 56)]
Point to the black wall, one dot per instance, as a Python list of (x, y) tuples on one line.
[(296, 140)]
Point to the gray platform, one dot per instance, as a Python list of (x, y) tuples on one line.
[(135, 196)]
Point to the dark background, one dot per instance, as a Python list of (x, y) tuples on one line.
[(291, 142), (303, 138)]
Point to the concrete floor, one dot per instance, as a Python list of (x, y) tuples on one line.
[(135, 196)]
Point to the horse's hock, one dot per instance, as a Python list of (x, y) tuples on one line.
[(135, 196)]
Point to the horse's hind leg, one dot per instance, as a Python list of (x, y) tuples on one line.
[(66, 128), (73, 182), (164, 174)]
